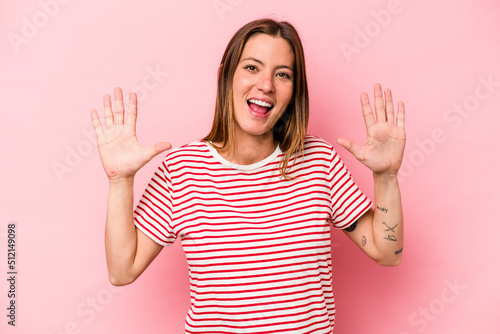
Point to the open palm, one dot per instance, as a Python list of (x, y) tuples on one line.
[(386, 137), (121, 154)]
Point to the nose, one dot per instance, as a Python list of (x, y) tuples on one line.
[(265, 83)]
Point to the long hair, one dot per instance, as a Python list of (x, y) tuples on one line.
[(290, 131)]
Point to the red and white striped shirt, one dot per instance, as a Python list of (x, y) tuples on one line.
[(258, 246)]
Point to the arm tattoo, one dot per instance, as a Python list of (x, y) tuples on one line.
[(363, 241), (381, 208), (352, 227), (391, 237), (399, 251), (390, 228)]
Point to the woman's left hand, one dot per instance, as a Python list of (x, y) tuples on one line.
[(386, 137)]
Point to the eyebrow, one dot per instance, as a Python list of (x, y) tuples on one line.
[(260, 62)]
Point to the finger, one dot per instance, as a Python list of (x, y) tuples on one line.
[(119, 109), (401, 115), (108, 112), (151, 151), (379, 103), (351, 147), (389, 107), (132, 110), (96, 122), (367, 110)]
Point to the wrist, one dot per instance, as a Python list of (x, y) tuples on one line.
[(121, 181), (386, 176)]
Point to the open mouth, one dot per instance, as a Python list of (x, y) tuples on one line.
[(259, 107)]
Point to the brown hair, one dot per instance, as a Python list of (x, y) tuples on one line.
[(290, 130)]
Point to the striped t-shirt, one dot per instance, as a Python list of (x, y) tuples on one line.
[(257, 245)]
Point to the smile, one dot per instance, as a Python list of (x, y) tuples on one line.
[(259, 107)]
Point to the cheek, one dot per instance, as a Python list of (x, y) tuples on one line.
[(241, 83), (287, 95)]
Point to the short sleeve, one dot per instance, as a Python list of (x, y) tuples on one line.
[(348, 202), (153, 214)]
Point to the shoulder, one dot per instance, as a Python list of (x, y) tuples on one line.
[(316, 144), (196, 150)]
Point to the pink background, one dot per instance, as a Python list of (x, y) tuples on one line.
[(59, 58)]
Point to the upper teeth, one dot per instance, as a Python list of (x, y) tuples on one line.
[(260, 103)]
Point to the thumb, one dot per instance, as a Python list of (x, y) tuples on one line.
[(151, 151), (351, 147)]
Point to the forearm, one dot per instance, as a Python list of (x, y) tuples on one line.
[(387, 220), (120, 234)]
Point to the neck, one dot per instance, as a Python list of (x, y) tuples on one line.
[(249, 149)]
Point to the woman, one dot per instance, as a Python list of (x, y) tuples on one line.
[(253, 202)]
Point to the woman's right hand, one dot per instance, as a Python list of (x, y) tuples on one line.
[(121, 154)]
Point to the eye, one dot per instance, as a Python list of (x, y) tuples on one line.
[(250, 68), (284, 75)]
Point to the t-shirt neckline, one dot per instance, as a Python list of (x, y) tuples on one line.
[(232, 165)]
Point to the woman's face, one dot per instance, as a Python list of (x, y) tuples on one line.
[(262, 85)]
